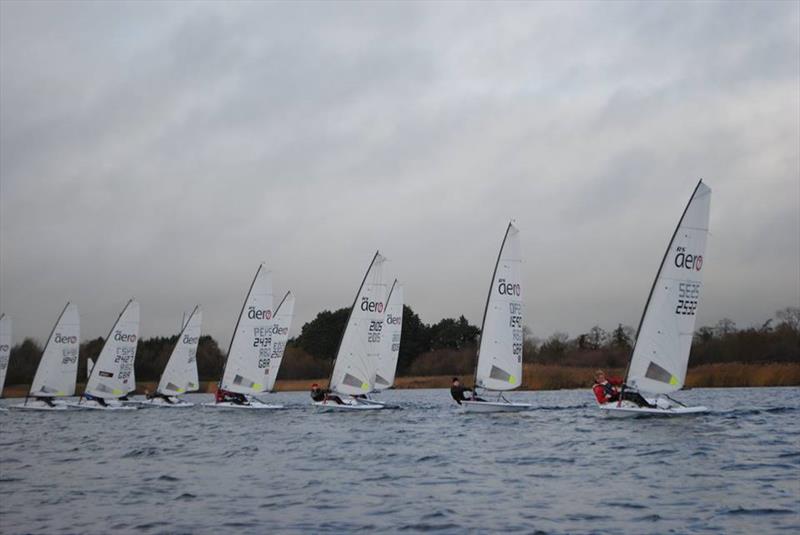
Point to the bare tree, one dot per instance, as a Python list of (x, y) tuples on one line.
[(790, 317), (725, 326)]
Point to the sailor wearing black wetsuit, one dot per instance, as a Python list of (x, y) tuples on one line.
[(318, 394), (457, 391), (100, 401), (48, 401)]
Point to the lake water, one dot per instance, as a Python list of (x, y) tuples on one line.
[(560, 469)]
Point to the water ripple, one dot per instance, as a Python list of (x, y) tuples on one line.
[(559, 469)]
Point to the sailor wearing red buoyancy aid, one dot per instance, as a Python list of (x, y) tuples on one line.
[(605, 389)]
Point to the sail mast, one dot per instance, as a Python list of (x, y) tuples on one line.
[(45, 350), (109, 336), (89, 378), (236, 328), (349, 315), (658, 274), (486, 306), (178, 341)]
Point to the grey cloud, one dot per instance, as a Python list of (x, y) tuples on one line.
[(163, 150)]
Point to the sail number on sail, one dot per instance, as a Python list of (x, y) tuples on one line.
[(262, 339), (125, 356), (69, 353), (688, 295), (515, 321), (375, 328)]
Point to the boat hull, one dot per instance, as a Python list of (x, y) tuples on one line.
[(160, 403), (348, 405), (614, 411), (92, 405), (34, 405), (494, 406), (252, 405)]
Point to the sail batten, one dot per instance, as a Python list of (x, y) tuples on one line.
[(660, 354), (500, 351), (246, 368), (57, 372), (112, 375), (357, 357)]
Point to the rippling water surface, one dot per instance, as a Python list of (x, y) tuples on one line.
[(559, 469)]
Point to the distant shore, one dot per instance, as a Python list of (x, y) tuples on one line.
[(544, 377)]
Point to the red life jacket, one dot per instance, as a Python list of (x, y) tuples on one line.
[(601, 391)]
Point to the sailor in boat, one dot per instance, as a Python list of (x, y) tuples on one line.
[(46, 400), (318, 395), (100, 401), (457, 391), (607, 390), (156, 394), (232, 397)]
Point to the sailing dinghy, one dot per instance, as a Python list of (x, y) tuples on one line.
[(112, 376), (499, 366), (280, 335), (58, 368), (390, 342), (5, 350), (664, 338), (353, 375), (247, 367), (180, 374)]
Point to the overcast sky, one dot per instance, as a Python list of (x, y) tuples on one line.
[(163, 150)]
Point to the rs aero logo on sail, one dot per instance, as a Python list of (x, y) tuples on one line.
[(688, 261), (508, 288), (277, 329), (120, 336), (393, 320), (371, 306), (255, 314), (61, 339)]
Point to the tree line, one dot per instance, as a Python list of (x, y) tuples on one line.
[(449, 346)]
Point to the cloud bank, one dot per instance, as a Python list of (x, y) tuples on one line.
[(163, 150)]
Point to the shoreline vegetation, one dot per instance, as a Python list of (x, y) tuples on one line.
[(539, 377), (431, 354)]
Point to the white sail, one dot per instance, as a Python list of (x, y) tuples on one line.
[(178, 373), (357, 358), (248, 355), (191, 373), (500, 351), (89, 367), (5, 348), (58, 368), (280, 335), (390, 338), (112, 375), (664, 339)]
